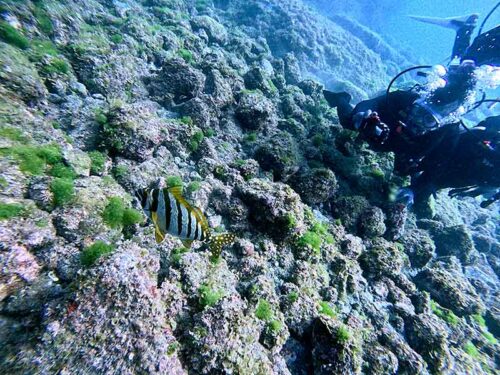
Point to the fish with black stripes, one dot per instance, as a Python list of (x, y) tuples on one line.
[(171, 213)]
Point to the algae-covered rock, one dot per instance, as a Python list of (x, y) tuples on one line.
[(280, 154), (274, 207), (292, 69), (19, 75), (258, 79), (409, 361), (119, 324), (19, 267), (455, 241), (382, 258), (371, 222), (418, 246), (315, 186), (429, 337), (133, 130), (335, 350), (349, 209), (379, 360), (255, 111), (179, 79), (225, 340), (215, 31), (449, 287)]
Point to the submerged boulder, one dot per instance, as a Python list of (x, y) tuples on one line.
[(280, 154), (419, 247), (255, 111), (179, 79), (371, 222), (349, 209), (429, 337), (274, 207), (135, 324), (315, 186), (335, 350), (448, 286), (456, 241)]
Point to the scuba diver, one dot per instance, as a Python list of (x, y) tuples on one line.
[(419, 123), (468, 162)]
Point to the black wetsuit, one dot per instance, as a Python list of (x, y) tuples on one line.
[(485, 49), (394, 112), (468, 161)]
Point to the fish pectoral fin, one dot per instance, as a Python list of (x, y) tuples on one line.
[(187, 243), (159, 236)]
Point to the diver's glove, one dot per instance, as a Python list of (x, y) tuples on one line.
[(370, 125)]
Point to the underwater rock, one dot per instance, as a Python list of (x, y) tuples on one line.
[(280, 154), (428, 336), (450, 289), (382, 258), (19, 75), (257, 79), (455, 241), (255, 111), (79, 161), (335, 350), (13, 180), (201, 111), (396, 218), (409, 361), (352, 246), (349, 209), (379, 360), (119, 323), (219, 89), (371, 222), (215, 31), (274, 207), (133, 130), (315, 186), (31, 229), (229, 338), (179, 79), (292, 69), (18, 267), (419, 247)]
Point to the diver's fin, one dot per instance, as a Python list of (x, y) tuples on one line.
[(218, 241), (336, 99), (187, 243), (455, 23)]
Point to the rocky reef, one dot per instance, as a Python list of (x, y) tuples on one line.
[(224, 97)]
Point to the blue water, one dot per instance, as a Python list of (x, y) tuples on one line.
[(428, 43), (432, 43)]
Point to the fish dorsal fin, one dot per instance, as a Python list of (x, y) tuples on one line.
[(176, 191)]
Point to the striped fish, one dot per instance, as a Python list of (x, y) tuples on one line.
[(172, 214)]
